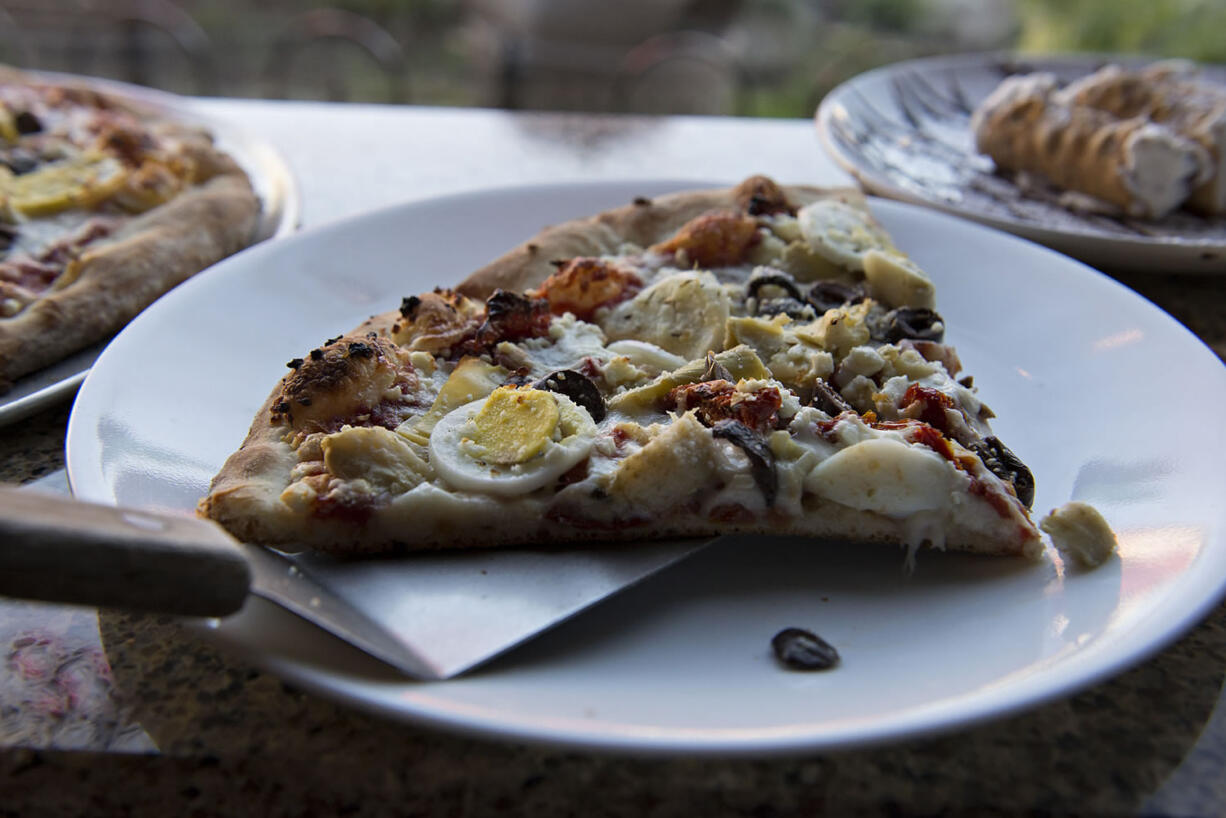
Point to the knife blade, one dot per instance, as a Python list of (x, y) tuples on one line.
[(431, 615)]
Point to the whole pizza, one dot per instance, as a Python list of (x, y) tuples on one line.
[(104, 206), (761, 358)]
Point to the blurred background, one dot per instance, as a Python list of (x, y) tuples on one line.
[(736, 57)]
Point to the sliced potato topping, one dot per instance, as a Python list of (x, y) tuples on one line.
[(84, 182), (472, 379)]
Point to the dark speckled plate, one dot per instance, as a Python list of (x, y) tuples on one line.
[(903, 132)]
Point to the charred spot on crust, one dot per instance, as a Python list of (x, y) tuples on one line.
[(578, 387), (294, 363), (326, 370), (642, 201), (409, 305), (761, 196), (761, 459), (513, 317)]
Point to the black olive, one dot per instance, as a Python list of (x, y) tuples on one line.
[(715, 371), (761, 459), (517, 379), (768, 277), (829, 295), (828, 399), (800, 649), (1007, 466), (916, 323), (786, 306), (578, 387), (27, 122)]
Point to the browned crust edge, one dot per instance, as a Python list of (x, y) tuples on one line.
[(644, 222), (121, 276)]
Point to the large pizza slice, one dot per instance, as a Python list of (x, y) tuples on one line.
[(104, 206), (757, 359)]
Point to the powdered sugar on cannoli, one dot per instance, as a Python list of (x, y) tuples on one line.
[(1172, 94), (1144, 168)]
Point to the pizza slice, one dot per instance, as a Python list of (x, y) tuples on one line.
[(755, 359), (104, 206)]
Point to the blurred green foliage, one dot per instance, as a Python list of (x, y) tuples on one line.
[(1171, 28)]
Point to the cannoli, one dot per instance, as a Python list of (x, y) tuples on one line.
[(1171, 94), (1144, 168)]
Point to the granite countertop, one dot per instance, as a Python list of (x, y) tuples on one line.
[(117, 713)]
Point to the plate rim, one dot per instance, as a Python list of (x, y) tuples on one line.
[(643, 741), (257, 153), (1054, 237)]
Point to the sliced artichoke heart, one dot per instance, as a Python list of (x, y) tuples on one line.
[(683, 314), (841, 233), (472, 378), (375, 454), (897, 280)]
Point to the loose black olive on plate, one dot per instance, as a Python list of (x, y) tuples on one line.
[(800, 649)]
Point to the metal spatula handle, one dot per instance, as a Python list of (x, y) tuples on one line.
[(61, 550)]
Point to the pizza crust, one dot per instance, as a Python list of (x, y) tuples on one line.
[(642, 223), (119, 277)]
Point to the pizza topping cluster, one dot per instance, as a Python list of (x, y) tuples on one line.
[(751, 367)]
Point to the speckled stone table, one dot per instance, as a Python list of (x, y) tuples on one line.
[(123, 714)]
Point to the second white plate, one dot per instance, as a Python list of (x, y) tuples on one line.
[(682, 663), (903, 132)]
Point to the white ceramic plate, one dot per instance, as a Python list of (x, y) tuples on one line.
[(903, 132), (270, 177), (1090, 383)]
